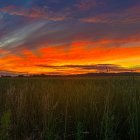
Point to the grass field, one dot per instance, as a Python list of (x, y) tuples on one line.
[(101, 108)]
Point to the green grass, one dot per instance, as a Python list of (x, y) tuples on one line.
[(101, 108)]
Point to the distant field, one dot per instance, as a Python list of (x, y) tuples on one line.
[(100, 108)]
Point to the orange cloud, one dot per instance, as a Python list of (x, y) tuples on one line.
[(79, 53)]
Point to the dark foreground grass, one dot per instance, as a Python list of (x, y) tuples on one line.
[(99, 108)]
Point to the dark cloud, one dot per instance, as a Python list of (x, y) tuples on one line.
[(125, 16), (9, 73), (97, 68)]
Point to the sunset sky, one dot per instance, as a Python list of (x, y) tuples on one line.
[(69, 36)]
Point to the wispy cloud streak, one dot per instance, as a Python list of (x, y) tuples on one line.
[(17, 38)]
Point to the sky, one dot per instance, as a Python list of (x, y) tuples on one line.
[(69, 36)]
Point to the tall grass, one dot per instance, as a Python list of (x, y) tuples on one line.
[(102, 108)]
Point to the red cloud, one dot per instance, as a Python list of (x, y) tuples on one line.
[(86, 5)]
